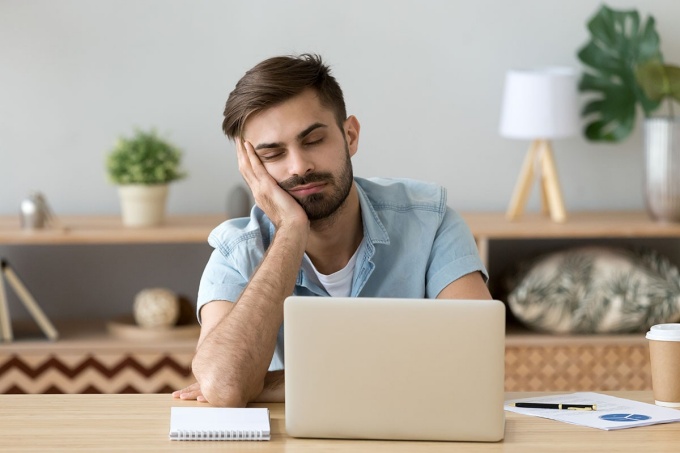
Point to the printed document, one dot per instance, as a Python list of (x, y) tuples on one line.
[(611, 413)]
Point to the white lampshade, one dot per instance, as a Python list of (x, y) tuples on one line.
[(540, 104)]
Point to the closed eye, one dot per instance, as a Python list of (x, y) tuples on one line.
[(265, 157), (314, 142)]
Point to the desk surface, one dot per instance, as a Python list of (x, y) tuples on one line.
[(130, 423)]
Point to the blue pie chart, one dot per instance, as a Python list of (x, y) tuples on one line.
[(625, 417)]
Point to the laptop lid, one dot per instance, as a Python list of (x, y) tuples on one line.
[(378, 368)]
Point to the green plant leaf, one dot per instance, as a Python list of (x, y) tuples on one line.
[(614, 112), (658, 80), (616, 47), (145, 158), (653, 80), (673, 73)]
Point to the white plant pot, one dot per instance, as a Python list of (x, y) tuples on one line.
[(143, 205)]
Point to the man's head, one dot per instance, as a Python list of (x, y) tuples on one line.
[(276, 80), (291, 111)]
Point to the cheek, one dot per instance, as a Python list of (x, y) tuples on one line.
[(339, 158), (275, 170)]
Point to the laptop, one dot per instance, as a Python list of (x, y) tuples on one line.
[(400, 369)]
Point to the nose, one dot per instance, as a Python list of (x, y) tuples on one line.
[(300, 162)]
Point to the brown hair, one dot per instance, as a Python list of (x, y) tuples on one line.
[(276, 80)]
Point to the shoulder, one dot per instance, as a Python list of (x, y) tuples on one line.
[(233, 233), (403, 194)]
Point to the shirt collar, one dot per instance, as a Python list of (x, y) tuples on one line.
[(374, 230)]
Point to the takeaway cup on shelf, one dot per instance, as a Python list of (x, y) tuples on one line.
[(664, 354)]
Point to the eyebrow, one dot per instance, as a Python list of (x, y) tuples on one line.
[(299, 137)]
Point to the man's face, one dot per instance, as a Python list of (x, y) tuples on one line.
[(302, 147)]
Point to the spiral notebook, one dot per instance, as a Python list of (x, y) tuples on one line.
[(219, 423)]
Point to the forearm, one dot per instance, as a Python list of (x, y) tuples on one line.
[(232, 361)]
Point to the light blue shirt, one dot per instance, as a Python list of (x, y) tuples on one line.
[(413, 247)]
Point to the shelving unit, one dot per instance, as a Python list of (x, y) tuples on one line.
[(87, 359), (545, 362)]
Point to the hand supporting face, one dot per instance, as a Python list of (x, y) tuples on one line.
[(232, 359), (281, 208)]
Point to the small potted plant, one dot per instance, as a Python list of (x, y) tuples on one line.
[(142, 166), (625, 69)]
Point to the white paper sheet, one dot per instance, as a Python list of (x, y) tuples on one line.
[(611, 413)]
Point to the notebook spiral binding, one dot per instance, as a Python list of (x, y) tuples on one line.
[(236, 434)]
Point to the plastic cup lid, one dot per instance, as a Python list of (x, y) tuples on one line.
[(664, 332)]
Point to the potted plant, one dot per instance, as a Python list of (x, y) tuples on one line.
[(142, 166), (626, 72)]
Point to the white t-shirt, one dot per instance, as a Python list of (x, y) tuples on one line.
[(338, 284)]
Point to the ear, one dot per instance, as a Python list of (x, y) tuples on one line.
[(351, 130)]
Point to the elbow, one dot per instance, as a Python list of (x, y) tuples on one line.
[(225, 397), (221, 391), (222, 394)]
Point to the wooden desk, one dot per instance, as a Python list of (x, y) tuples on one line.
[(130, 423)]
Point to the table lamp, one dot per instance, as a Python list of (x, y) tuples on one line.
[(539, 105)]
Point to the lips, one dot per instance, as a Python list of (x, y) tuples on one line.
[(308, 189)]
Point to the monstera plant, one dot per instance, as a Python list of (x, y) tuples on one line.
[(625, 69), (619, 44)]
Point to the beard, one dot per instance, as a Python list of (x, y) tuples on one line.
[(320, 206)]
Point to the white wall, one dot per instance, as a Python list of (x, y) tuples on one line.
[(424, 78)]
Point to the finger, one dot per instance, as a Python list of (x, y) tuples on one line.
[(189, 388), (244, 166), (191, 395), (254, 160), (243, 162), (190, 392), (177, 393)]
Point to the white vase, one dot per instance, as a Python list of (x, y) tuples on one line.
[(143, 205), (662, 182)]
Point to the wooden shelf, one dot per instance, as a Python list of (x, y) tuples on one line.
[(599, 224), (87, 359), (492, 226), (86, 336), (517, 336), (110, 230), (195, 228), (91, 335)]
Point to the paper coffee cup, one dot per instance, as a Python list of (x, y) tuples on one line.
[(664, 354)]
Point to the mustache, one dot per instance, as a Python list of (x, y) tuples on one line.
[(295, 181)]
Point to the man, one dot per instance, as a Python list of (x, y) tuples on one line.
[(316, 230)]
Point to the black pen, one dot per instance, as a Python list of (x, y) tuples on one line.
[(564, 406)]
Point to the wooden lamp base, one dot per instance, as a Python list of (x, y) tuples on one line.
[(539, 162), (6, 333)]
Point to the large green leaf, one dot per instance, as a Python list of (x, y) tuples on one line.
[(658, 80), (617, 46)]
